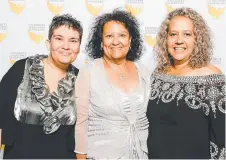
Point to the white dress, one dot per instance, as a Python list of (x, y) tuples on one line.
[(111, 124)]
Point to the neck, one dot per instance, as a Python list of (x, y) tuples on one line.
[(118, 62), (119, 68), (180, 64), (62, 69)]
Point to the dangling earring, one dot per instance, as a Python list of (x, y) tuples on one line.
[(129, 45), (101, 47), (101, 50)]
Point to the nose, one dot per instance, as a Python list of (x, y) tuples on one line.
[(66, 45), (115, 40), (180, 39)]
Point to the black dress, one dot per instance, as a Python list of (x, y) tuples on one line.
[(32, 132), (187, 117)]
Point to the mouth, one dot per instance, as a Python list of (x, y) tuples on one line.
[(116, 48), (65, 53), (179, 48)]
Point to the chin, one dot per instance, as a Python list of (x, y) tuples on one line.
[(66, 62), (179, 57), (67, 59), (118, 56)]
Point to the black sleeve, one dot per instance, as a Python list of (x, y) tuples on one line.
[(217, 120), (8, 91)]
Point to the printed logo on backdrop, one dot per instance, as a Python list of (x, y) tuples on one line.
[(94, 7), (16, 6), (3, 31), (55, 6), (36, 32), (173, 4), (150, 35), (216, 61), (135, 7), (216, 8), (15, 56)]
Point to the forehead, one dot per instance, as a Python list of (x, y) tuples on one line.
[(113, 26), (181, 23), (65, 31)]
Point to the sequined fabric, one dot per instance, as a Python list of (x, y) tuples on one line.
[(199, 92)]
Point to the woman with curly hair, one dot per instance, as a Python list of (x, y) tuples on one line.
[(112, 92), (186, 110)]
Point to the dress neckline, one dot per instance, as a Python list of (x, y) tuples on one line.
[(51, 103), (117, 88), (209, 79)]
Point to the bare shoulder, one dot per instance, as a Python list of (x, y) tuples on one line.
[(213, 69), (210, 69)]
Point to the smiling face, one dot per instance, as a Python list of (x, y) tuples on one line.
[(115, 41), (64, 45), (180, 39)]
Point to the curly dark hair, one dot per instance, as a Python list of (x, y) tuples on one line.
[(203, 49), (93, 46)]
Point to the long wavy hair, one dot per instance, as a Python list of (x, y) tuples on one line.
[(203, 48), (93, 47)]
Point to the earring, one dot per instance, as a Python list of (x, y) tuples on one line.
[(101, 47), (130, 43)]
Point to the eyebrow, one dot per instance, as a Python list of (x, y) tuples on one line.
[(58, 35), (114, 32), (177, 31), (74, 38)]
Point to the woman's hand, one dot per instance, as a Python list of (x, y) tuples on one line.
[(80, 156)]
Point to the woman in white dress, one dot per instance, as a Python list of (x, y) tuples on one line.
[(112, 92)]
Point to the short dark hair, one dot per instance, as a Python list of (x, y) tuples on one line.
[(93, 46), (65, 20)]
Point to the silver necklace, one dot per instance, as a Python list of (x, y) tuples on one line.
[(121, 76)]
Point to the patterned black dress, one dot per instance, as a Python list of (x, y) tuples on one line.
[(187, 117)]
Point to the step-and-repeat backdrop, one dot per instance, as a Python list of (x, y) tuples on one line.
[(24, 24)]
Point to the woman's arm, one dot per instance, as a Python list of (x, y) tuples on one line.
[(8, 86), (82, 90), (216, 101)]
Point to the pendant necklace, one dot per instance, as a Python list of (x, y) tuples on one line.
[(121, 76)]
